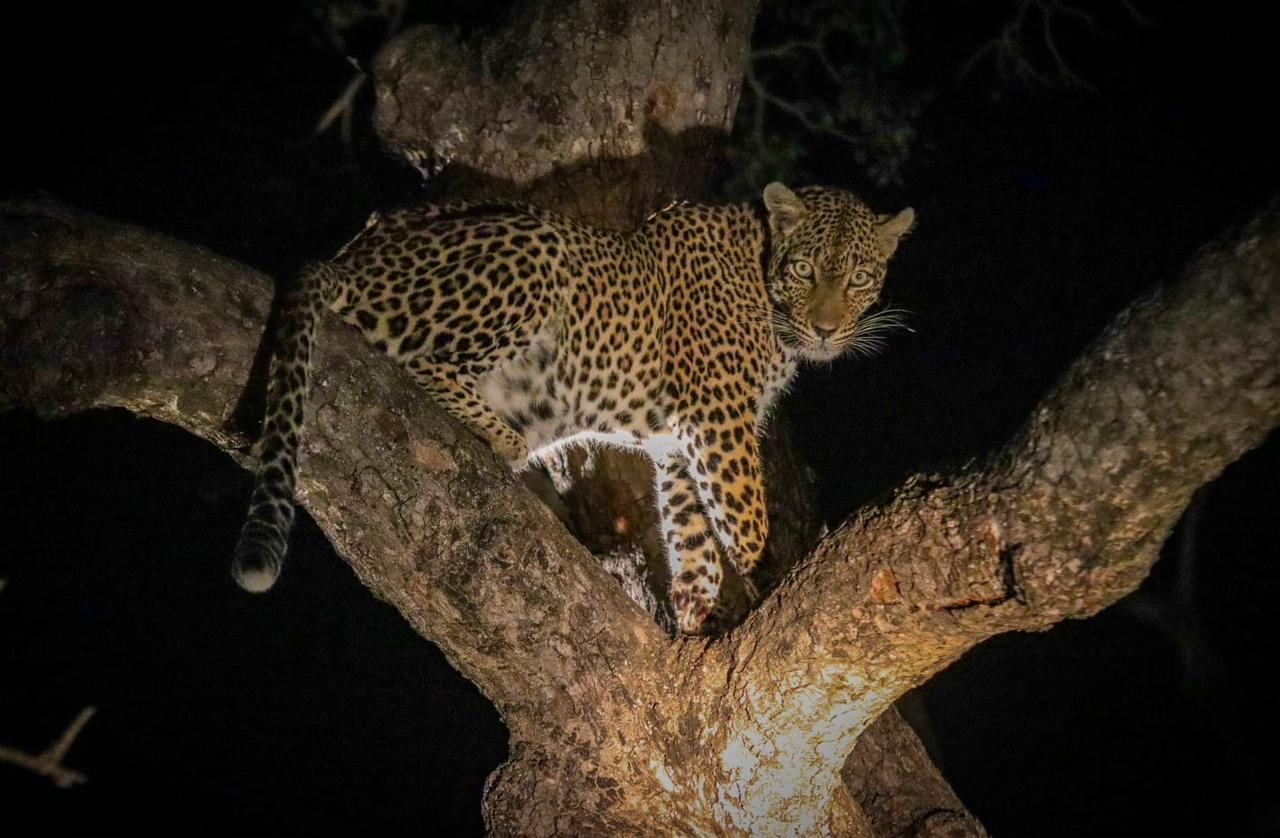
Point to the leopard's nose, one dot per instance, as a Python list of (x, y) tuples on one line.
[(822, 331)]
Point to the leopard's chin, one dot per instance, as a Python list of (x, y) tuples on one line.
[(810, 347), (820, 351)]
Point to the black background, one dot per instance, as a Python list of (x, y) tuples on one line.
[(1041, 214)]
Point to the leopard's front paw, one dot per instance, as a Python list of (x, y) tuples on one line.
[(514, 450), (694, 601)]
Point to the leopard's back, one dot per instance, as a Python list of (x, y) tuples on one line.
[(466, 284), (531, 327)]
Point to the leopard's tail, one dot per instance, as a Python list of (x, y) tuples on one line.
[(259, 553)]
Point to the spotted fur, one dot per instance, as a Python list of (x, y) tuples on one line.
[(538, 330)]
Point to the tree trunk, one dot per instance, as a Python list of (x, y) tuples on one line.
[(600, 108), (608, 110), (615, 727)]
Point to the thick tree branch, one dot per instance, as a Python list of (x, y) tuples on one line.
[(899, 789), (98, 314), (1064, 521), (569, 83)]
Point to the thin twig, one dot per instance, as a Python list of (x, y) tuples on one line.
[(343, 106), (49, 763)]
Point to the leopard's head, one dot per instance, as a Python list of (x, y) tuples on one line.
[(826, 267)]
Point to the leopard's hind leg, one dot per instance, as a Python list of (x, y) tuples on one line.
[(455, 391)]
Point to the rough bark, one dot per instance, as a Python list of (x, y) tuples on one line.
[(1062, 522), (614, 727), (97, 314), (898, 788), (603, 108)]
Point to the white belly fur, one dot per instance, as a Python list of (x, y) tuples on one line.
[(656, 446)]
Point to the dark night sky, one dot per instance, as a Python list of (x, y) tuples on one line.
[(1040, 216)]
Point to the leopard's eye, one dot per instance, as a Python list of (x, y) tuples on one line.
[(861, 278), (802, 269)]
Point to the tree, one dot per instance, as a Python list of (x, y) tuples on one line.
[(616, 729)]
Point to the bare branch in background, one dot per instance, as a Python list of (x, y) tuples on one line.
[(49, 762), (1035, 31), (337, 21), (831, 68)]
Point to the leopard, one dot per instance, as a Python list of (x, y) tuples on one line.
[(538, 330)]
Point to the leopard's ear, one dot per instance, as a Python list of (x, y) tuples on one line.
[(786, 210), (891, 228)]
